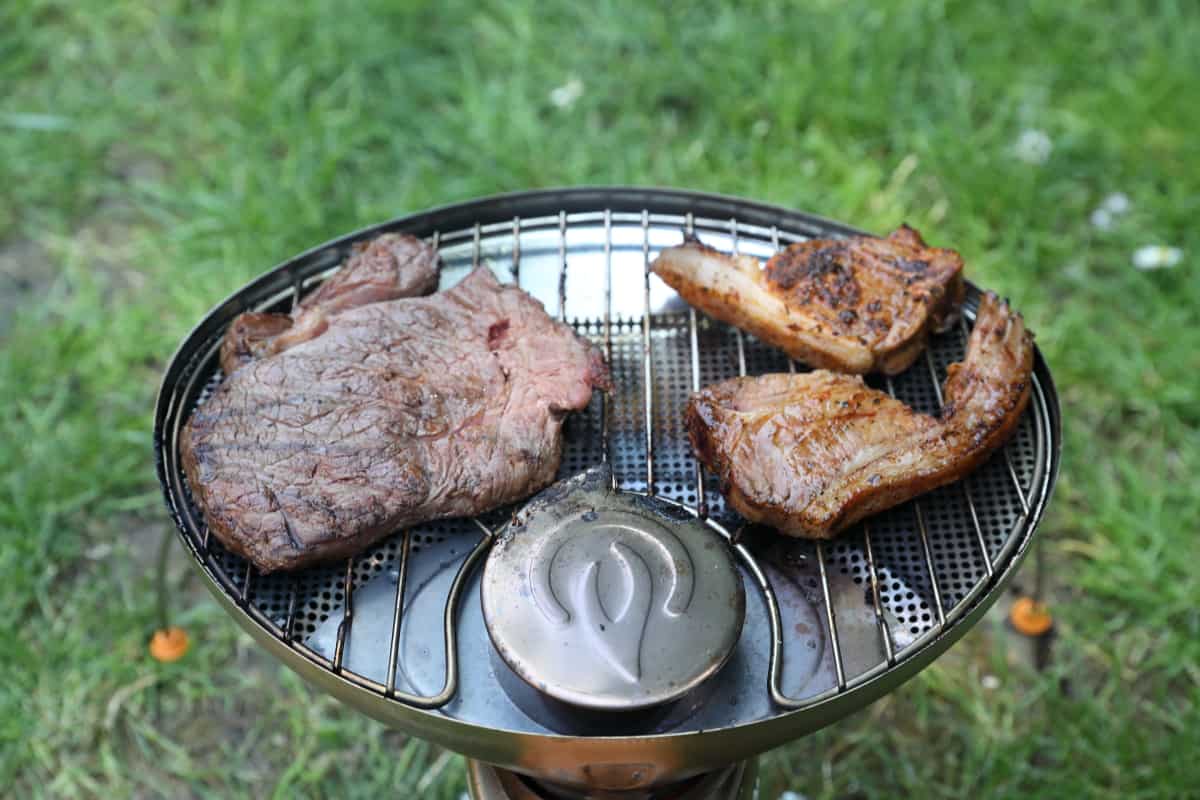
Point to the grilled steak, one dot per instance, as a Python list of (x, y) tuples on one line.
[(394, 413), (388, 267), (811, 454), (856, 305)]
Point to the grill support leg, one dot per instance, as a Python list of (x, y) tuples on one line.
[(167, 644), (736, 782), (1030, 616)]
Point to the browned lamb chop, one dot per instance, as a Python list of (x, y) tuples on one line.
[(813, 453), (858, 305)]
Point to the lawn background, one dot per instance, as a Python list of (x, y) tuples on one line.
[(156, 155)]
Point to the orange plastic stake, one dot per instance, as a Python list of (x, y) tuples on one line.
[(169, 644), (1030, 617)]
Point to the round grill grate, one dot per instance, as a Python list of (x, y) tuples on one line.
[(932, 562)]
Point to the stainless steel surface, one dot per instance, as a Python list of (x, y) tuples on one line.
[(885, 634), (414, 650), (609, 600), (736, 782), (919, 516)]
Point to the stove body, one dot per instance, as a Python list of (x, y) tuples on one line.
[(400, 631)]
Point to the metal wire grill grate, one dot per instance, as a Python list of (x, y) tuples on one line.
[(921, 565)]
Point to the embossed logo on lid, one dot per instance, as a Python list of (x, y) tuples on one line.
[(611, 600)]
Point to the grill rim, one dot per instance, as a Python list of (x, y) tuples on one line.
[(524, 750)]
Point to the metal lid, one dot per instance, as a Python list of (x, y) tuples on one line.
[(611, 600)]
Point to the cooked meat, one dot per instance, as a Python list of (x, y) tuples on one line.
[(397, 412), (813, 453), (856, 305), (386, 268)]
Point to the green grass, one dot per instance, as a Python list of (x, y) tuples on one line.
[(154, 156)]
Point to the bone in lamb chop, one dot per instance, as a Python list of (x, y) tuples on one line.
[(857, 305), (813, 453)]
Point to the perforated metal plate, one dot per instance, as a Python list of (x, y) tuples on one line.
[(851, 611)]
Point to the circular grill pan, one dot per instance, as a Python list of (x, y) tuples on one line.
[(857, 615)]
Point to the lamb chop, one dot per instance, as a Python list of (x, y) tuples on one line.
[(384, 415), (857, 305), (813, 453)]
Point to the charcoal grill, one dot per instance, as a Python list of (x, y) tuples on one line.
[(398, 632)]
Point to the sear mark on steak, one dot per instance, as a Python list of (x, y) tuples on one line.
[(395, 413), (811, 454), (858, 305)]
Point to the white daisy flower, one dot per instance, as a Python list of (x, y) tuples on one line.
[(1116, 203), (990, 682), (1111, 207), (1033, 147), (565, 96), (1156, 256)]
